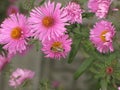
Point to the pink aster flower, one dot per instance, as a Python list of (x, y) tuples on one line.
[(12, 10), (99, 7), (74, 12), (101, 36), (118, 88), (57, 47), (19, 76), (48, 21), (4, 61), (15, 33)]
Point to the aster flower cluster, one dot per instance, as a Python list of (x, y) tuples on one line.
[(45, 23), (60, 30)]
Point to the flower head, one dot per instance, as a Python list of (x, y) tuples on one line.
[(19, 76), (15, 33), (12, 10), (48, 21), (109, 70), (74, 12), (101, 36), (99, 7), (58, 47), (4, 60)]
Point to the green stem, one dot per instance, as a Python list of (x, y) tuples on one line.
[(103, 84)]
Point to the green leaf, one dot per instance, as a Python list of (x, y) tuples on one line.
[(75, 47), (28, 4), (84, 66), (87, 15)]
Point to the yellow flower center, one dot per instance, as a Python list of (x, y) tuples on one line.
[(102, 35), (48, 21), (57, 47), (16, 33)]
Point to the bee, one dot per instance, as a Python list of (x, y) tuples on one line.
[(57, 49)]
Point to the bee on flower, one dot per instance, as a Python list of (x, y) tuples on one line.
[(58, 47)]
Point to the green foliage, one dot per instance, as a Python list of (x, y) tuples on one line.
[(87, 15), (83, 67), (3, 52), (3, 7), (75, 47), (107, 67), (28, 4), (42, 2), (74, 32), (80, 34)]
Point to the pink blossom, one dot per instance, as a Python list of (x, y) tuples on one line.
[(74, 12), (47, 21), (57, 47), (19, 76), (101, 36), (4, 61), (15, 33), (12, 10), (99, 7), (55, 84)]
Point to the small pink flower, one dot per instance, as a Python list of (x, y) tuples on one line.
[(118, 88), (74, 12), (57, 47), (55, 84), (48, 21), (4, 61), (15, 33), (12, 10), (99, 7), (19, 76), (101, 36)]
